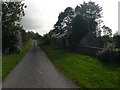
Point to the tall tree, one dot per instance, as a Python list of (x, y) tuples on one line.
[(78, 22), (12, 13), (93, 13), (79, 30), (64, 18), (85, 21), (91, 10)]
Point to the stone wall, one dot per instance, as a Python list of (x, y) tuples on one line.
[(90, 40), (92, 51)]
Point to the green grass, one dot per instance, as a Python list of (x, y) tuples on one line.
[(85, 71), (10, 61), (118, 48)]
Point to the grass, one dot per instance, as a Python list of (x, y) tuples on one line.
[(85, 71), (119, 49), (10, 61)]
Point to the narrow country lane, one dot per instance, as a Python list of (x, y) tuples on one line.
[(36, 71)]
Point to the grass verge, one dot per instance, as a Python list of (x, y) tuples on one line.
[(10, 61), (85, 71)]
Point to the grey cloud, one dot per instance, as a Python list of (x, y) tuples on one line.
[(41, 15), (30, 24)]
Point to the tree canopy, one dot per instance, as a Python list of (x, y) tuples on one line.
[(77, 23), (12, 13)]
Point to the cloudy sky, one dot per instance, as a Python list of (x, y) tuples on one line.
[(41, 15)]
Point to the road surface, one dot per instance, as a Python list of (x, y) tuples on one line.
[(36, 71)]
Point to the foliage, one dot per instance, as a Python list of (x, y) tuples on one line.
[(104, 40), (85, 21), (33, 35), (47, 39), (74, 24), (12, 13), (64, 19), (109, 53), (117, 40), (91, 10), (25, 36), (107, 31), (85, 71), (93, 13), (37, 36), (79, 30)]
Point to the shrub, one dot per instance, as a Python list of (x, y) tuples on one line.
[(109, 53)]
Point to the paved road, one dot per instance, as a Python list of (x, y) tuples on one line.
[(36, 71)]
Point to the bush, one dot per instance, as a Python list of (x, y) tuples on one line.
[(109, 53)]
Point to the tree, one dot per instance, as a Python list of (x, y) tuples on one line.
[(85, 21), (117, 40), (64, 19), (12, 13), (106, 38), (92, 12), (69, 11), (79, 30), (107, 31), (37, 36), (77, 10), (25, 36), (74, 24)]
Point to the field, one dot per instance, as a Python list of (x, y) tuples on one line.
[(10, 61), (85, 71)]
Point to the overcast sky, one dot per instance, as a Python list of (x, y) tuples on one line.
[(41, 15)]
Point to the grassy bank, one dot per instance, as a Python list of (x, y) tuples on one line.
[(10, 61), (85, 71)]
